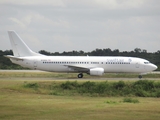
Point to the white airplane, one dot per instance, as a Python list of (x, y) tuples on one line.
[(91, 65)]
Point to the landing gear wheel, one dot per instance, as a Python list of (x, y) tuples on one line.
[(80, 75), (140, 76)]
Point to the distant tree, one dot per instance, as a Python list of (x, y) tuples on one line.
[(137, 50), (116, 52), (144, 51), (56, 53), (107, 51), (81, 52), (158, 52), (44, 52)]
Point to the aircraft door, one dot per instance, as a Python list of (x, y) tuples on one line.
[(137, 65), (35, 64)]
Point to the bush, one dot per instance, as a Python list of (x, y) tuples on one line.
[(101, 88), (88, 85), (144, 84), (110, 102), (69, 85), (130, 100), (142, 93), (119, 85), (141, 88), (31, 85)]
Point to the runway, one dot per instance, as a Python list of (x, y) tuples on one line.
[(155, 72), (21, 71), (66, 78)]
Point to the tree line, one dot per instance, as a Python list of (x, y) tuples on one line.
[(154, 57)]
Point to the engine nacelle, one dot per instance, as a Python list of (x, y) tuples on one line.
[(96, 71)]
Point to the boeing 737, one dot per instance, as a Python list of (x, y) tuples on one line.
[(92, 65)]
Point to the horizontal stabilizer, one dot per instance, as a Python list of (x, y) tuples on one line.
[(13, 57)]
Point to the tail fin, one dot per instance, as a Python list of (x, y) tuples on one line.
[(20, 49)]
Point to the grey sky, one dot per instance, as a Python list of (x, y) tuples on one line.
[(66, 25)]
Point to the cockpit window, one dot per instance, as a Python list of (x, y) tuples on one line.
[(146, 62)]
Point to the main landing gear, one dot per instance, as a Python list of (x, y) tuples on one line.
[(140, 76), (80, 75)]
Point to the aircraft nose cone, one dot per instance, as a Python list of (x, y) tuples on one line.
[(154, 67)]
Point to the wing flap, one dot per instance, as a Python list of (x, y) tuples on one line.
[(78, 68)]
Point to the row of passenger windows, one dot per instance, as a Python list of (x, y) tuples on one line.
[(68, 62), (87, 62), (117, 62)]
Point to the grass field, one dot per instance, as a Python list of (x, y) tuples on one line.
[(17, 102), (70, 75)]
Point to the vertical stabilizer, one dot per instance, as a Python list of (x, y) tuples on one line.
[(20, 49)]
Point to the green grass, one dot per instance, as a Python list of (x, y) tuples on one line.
[(35, 96), (19, 102), (70, 75)]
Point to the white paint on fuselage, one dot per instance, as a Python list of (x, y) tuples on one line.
[(109, 64)]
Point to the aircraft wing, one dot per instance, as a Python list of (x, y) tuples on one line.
[(78, 68)]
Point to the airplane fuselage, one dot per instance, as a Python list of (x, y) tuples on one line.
[(70, 63)]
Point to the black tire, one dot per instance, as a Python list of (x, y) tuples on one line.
[(140, 76), (80, 75)]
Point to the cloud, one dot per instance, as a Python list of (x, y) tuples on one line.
[(57, 3), (18, 22), (58, 25), (119, 4)]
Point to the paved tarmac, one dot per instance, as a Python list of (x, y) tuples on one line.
[(76, 79), (21, 71), (155, 72), (83, 79)]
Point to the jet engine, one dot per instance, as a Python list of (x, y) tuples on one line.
[(96, 71)]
